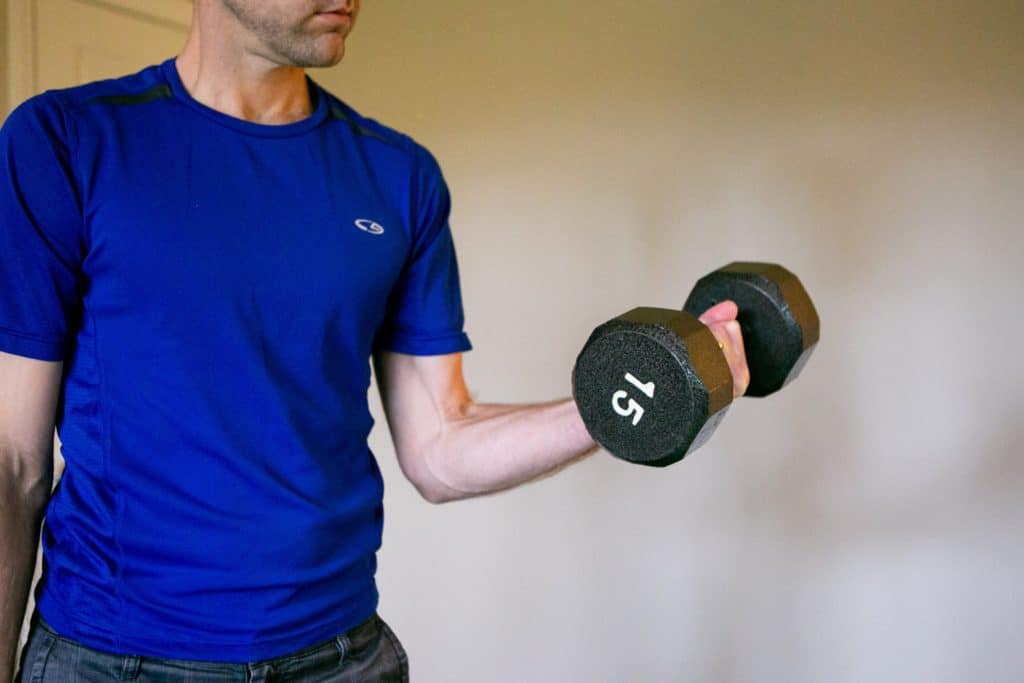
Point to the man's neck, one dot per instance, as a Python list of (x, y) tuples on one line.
[(244, 85)]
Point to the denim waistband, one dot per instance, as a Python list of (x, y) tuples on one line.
[(354, 638)]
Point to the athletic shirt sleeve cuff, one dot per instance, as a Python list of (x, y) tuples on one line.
[(23, 345), (424, 345)]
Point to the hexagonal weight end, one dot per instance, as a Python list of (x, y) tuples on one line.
[(651, 385), (779, 322)]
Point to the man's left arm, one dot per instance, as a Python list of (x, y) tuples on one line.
[(451, 447)]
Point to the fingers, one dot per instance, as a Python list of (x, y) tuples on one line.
[(730, 339), (721, 320), (726, 310)]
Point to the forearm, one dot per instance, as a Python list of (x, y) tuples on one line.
[(490, 448), (21, 513)]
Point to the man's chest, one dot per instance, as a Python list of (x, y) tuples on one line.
[(297, 230)]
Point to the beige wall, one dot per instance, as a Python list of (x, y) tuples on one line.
[(3, 59), (862, 525)]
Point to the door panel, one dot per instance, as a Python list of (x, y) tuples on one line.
[(85, 40)]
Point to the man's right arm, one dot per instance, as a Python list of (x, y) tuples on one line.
[(29, 389)]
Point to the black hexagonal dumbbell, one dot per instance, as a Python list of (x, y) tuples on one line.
[(652, 384)]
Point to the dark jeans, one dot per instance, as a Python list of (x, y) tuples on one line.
[(368, 652)]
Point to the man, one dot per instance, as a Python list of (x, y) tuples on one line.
[(197, 262)]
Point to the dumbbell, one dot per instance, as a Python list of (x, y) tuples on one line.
[(653, 384)]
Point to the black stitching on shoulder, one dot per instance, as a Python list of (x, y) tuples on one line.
[(338, 113), (158, 91)]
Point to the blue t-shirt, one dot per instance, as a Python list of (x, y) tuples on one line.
[(215, 289)]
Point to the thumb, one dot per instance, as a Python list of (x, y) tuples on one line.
[(720, 312)]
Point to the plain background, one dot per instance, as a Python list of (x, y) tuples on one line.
[(864, 524)]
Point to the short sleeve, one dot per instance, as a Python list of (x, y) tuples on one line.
[(424, 314), (41, 245)]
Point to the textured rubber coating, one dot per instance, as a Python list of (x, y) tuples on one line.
[(779, 322), (680, 387)]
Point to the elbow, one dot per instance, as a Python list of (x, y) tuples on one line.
[(435, 497), (434, 492), (430, 480)]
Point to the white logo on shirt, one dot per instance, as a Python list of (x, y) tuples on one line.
[(372, 227)]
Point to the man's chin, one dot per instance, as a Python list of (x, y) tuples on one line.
[(319, 59), (330, 53), (327, 62)]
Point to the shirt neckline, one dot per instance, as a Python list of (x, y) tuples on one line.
[(170, 72)]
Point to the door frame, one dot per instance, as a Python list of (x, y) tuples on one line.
[(19, 65)]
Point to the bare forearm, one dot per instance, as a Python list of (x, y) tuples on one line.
[(495, 447), (21, 514)]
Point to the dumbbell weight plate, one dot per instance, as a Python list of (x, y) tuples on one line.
[(779, 323), (651, 385)]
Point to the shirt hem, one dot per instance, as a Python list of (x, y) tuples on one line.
[(200, 648)]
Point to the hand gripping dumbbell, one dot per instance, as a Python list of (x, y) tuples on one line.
[(653, 384)]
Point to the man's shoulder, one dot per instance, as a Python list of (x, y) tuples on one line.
[(147, 83), (373, 132), (60, 104)]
